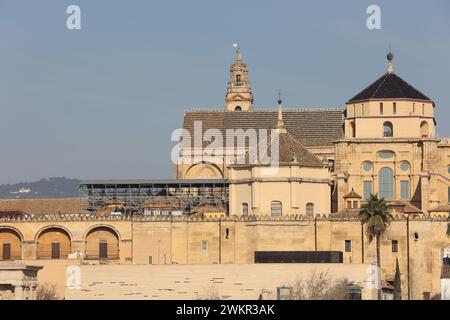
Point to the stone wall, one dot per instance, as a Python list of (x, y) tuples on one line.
[(224, 282), (191, 241)]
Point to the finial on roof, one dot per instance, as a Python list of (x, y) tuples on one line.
[(390, 58), (279, 97), (238, 51), (280, 123)]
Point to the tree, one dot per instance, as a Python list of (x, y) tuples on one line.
[(320, 286), (211, 293), (47, 291), (375, 215), (397, 283)]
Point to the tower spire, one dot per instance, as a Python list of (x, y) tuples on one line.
[(238, 52), (239, 93), (390, 58), (281, 128)]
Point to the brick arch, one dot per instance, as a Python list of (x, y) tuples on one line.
[(10, 243), (101, 225), (203, 170), (53, 226), (17, 231), (53, 242), (102, 242)]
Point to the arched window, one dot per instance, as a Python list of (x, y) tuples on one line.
[(388, 130), (237, 108), (386, 183), (424, 129), (310, 209), (238, 79), (276, 209), (353, 129), (245, 209)]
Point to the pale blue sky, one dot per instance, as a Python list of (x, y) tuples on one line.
[(102, 102)]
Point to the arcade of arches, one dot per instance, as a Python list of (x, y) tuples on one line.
[(230, 240), (55, 242)]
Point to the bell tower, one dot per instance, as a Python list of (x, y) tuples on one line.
[(239, 93)]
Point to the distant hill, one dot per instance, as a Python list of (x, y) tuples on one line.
[(45, 188)]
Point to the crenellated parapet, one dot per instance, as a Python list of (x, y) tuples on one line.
[(232, 218)]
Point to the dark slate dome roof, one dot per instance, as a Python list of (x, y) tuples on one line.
[(390, 86)]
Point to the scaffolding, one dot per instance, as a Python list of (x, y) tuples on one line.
[(150, 197)]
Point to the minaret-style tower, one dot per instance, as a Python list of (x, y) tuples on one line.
[(239, 93)]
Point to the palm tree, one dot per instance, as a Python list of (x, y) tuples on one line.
[(375, 214)]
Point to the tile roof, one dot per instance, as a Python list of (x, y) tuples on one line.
[(291, 151), (43, 206), (405, 207), (352, 194), (390, 86), (313, 127), (12, 213)]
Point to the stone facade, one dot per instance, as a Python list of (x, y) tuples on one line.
[(385, 143), (419, 242)]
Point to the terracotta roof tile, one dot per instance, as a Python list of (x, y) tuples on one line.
[(352, 194), (312, 127), (12, 213), (43, 206), (405, 207), (291, 151)]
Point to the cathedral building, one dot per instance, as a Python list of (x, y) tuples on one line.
[(384, 142), (390, 146), (227, 207)]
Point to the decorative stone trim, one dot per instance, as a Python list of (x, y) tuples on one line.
[(319, 217)]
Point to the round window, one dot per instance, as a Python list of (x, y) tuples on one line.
[(367, 166), (405, 166)]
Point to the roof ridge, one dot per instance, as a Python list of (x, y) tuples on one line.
[(267, 110), (412, 87), (400, 88), (386, 75), (367, 87)]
